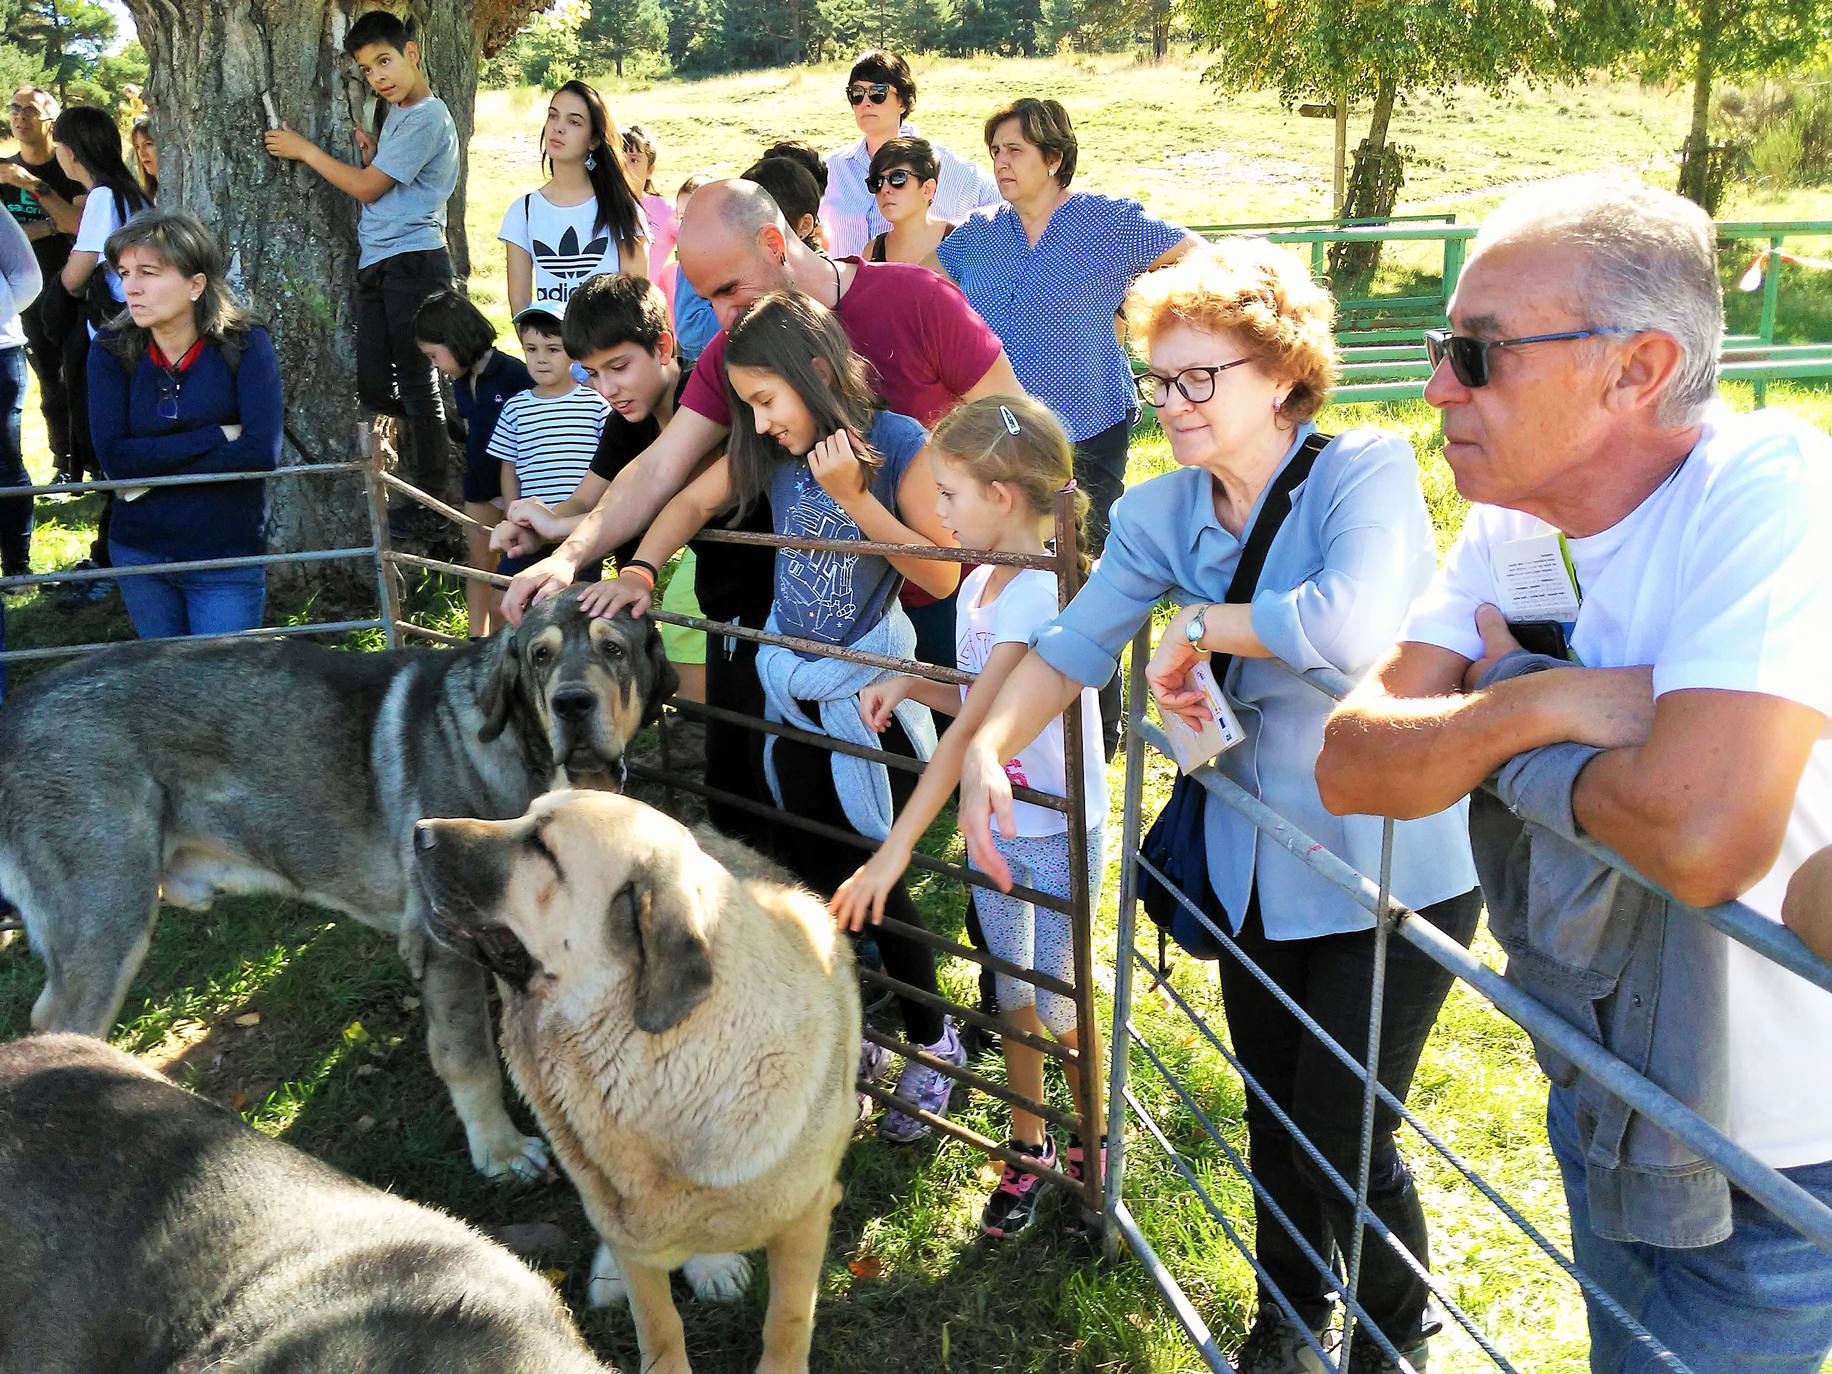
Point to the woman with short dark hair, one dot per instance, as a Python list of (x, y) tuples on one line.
[(184, 382), (882, 93), (904, 175), (1047, 270)]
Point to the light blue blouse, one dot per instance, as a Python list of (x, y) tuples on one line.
[(1348, 561)]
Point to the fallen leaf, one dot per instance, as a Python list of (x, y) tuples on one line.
[(867, 1267), (248, 1018), (554, 1276), (365, 1122), (411, 1003), (237, 1100)]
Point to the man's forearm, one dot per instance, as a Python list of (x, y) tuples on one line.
[(638, 493)]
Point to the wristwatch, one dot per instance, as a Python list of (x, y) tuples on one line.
[(1195, 630)]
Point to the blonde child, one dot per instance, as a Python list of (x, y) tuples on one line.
[(999, 463)]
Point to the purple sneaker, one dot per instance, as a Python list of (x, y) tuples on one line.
[(927, 1088), (874, 1065)]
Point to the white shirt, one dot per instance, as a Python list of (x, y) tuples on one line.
[(1027, 604), (1718, 580), (550, 439), (563, 243), (849, 212), (100, 219)]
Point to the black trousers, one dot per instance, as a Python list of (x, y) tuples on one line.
[(82, 459), (47, 323), (392, 376), (806, 776), (1331, 977)]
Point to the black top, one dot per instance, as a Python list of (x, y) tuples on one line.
[(52, 250), (620, 442), (874, 251)]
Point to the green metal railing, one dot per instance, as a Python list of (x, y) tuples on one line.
[(1384, 356)]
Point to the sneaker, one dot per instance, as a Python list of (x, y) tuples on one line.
[(1275, 1346), (874, 1065), (928, 1088), (88, 592), (1074, 1160), (1013, 1204), (1365, 1357)]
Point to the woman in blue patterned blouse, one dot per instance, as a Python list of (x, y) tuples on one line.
[(1047, 270)]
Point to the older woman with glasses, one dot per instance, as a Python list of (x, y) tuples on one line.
[(882, 93), (1242, 357), (184, 382), (1047, 270)]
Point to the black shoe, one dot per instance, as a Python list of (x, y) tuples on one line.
[(1275, 1346), (87, 592), (1366, 1357)]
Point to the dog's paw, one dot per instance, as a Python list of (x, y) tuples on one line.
[(718, 1278), (511, 1153), (606, 1287), (412, 944)]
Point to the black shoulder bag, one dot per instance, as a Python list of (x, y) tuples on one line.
[(1176, 844)]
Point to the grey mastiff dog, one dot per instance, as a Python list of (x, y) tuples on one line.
[(186, 770), (144, 1230)]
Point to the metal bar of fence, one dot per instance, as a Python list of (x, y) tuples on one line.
[(966, 1134), (414, 560), (431, 502), (1056, 1050), (1784, 1198), (407, 627), (263, 560), (917, 1055), (733, 630), (936, 552), (326, 627), (182, 479), (1169, 1289), (1772, 940), (1035, 977)]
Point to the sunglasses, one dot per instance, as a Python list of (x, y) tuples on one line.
[(878, 91), (1469, 357), (1196, 383), (170, 384), (896, 180)]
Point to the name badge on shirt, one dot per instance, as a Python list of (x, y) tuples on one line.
[(1536, 579)]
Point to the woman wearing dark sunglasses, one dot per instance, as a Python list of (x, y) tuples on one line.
[(1242, 357), (184, 382), (904, 174), (881, 93)]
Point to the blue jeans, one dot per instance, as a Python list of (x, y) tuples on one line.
[(194, 603), (1759, 1302), (15, 511)]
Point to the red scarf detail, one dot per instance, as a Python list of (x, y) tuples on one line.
[(157, 355)]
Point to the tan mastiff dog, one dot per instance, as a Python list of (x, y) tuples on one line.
[(684, 1021)]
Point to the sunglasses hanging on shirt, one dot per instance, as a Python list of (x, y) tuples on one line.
[(877, 92)]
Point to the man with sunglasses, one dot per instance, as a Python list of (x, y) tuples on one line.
[(1671, 555), (882, 93)]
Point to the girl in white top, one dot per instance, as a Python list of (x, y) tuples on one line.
[(585, 220), (89, 150), (999, 463)]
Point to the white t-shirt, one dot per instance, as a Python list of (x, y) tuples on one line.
[(100, 219), (550, 439), (563, 243), (1027, 604), (1718, 580)]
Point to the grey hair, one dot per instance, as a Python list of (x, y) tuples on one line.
[(1650, 264)]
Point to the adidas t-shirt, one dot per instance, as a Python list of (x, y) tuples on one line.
[(550, 439), (564, 244)]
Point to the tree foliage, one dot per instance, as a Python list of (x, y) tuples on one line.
[(614, 30), (69, 38)]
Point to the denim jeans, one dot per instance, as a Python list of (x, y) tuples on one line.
[(172, 605), (15, 511), (1759, 1302), (1331, 977)]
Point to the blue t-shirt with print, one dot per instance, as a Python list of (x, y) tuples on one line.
[(419, 149), (826, 595)]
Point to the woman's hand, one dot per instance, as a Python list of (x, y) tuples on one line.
[(864, 893), (232, 432), (986, 799), (532, 513), (606, 599), (877, 701), (836, 466), (1169, 668)]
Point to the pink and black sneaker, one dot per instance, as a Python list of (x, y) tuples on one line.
[(1074, 1161), (1013, 1204)]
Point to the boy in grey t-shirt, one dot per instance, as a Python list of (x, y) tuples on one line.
[(401, 234)]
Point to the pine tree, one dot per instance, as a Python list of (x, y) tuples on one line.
[(616, 29)]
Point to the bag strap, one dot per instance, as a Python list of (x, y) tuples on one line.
[(1273, 511)]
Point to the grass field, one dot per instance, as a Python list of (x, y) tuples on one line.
[(334, 1061)]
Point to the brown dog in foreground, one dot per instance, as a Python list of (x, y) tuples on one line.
[(684, 1021)]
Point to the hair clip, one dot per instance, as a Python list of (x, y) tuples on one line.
[(1011, 421), (1067, 487)]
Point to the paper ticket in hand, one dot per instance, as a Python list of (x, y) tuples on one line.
[(1220, 731)]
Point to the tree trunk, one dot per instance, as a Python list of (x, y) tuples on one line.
[(290, 236), (1160, 31), (1695, 157), (1373, 190)]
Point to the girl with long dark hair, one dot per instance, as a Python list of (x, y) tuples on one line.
[(808, 436), (586, 219)]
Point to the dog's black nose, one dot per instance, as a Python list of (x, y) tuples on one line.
[(424, 836), (573, 703)]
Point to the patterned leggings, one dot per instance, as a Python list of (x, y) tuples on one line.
[(1030, 936)]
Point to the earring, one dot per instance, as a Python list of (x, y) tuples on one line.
[(194, 298), (591, 162), (1278, 403)]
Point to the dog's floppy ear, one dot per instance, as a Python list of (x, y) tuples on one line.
[(674, 960), (667, 681), (500, 691)]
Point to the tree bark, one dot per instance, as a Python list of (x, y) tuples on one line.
[(1695, 157), (290, 237)]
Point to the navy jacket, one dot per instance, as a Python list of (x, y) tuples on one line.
[(132, 440)]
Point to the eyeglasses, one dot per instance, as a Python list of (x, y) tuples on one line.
[(1196, 383), (878, 91), (896, 180), (18, 109), (170, 384), (1469, 360)]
